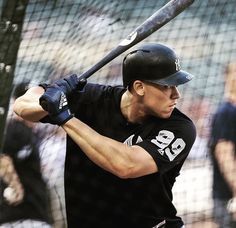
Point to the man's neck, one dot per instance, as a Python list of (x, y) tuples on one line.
[(132, 108)]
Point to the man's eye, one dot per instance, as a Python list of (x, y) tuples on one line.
[(167, 87)]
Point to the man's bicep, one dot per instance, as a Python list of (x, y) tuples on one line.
[(143, 162), (168, 148)]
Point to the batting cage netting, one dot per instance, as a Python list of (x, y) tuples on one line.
[(41, 41)]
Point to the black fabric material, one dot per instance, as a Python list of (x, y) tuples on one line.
[(97, 198)]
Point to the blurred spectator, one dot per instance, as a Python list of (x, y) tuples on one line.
[(222, 149), (24, 200)]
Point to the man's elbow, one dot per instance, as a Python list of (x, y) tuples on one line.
[(21, 109), (126, 171), (17, 107), (123, 174)]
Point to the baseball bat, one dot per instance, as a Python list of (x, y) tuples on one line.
[(149, 26)]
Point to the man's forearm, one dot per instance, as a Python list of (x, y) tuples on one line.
[(7, 171), (121, 160), (95, 145), (226, 159), (14, 192)]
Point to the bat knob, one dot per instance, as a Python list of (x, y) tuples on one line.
[(81, 83)]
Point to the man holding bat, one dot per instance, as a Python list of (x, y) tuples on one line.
[(125, 144)]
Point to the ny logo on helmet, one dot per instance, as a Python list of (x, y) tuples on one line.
[(177, 65)]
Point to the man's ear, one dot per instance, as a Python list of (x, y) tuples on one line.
[(138, 87)]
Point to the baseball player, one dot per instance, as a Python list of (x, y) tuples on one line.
[(125, 144)]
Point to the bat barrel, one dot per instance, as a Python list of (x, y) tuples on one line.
[(160, 18)]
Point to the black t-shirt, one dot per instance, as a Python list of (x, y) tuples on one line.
[(223, 127), (97, 198), (21, 144)]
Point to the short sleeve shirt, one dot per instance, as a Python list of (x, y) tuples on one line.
[(95, 197)]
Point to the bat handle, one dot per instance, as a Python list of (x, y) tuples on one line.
[(106, 59)]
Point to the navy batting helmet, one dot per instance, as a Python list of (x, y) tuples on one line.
[(155, 63)]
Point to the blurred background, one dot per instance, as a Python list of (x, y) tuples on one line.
[(41, 41)]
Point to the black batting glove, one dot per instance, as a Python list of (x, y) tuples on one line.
[(54, 101), (68, 85)]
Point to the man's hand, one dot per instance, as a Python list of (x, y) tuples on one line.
[(14, 195), (14, 192), (68, 84), (54, 101)]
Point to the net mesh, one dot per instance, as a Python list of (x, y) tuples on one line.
[(63, 37)]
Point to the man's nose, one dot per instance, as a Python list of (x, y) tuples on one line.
[(175, 93)]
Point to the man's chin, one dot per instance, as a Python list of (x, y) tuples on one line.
[(166, 115)]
